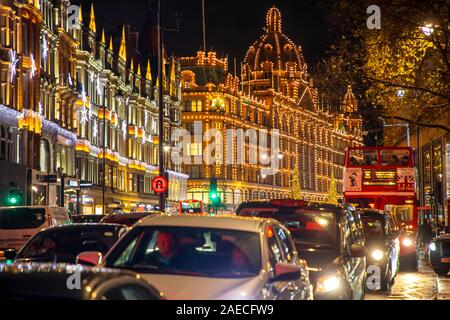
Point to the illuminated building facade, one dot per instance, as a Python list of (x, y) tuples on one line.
[(274, 92), (82, 79)]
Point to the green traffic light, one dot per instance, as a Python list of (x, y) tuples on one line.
[(13, 200), (213, 196)]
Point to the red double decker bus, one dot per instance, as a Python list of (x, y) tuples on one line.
[(191, 206), (384, 178)]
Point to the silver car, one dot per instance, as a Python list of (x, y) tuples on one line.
[(206, 258)]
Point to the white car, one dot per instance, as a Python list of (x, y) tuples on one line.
[(206, 258)]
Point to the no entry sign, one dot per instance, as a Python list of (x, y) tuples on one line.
[(159, 184)]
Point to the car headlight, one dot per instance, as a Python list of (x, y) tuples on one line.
[(432, 246), (327, 284), (377, 254), (407, 242)]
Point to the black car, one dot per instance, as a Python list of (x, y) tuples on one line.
[(127, 218), (383, 244), (64, 243), (439, 254), (37, 281), (87, 218), (329, 237)]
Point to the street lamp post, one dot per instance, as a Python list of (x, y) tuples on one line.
[(161, 94), (104, 151), (166, 151), (160, 103)]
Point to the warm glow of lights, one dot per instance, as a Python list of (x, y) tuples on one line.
[(427, 29)]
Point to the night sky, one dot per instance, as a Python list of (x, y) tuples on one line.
[(232, 25)]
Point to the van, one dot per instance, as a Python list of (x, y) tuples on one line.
[(19, 224)]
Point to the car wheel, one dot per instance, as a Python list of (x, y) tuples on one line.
[(441, 271)]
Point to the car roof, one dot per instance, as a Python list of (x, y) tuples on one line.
[(308, 205), (74, 226), (251, 224), (372, 213), (132, 214)]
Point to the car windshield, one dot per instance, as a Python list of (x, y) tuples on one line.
[(310, 228), (65, 245), (373, 227), (21, 218), (189, 251)]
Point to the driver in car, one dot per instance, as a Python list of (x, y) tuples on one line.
[(169, 254), (48, 246)]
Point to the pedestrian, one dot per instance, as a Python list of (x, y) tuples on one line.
[(426, 234)]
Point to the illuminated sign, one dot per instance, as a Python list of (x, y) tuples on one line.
[(379, 183), (385, 175), (72, 183)]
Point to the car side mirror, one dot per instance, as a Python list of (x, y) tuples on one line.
[(286, 272), (92, 258), (10, 254), (358, 251)]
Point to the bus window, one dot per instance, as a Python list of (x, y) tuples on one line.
[(192, 206), (359, 157), (370, 158), (395, 157)]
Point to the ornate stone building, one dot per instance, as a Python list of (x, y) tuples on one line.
[(274, 92), (20, 123), (77, 95)]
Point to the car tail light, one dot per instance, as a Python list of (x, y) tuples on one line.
[(269, 232), (313, 226)]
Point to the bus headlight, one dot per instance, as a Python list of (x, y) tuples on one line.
[(432, 246), (377, 254), (407, 242)]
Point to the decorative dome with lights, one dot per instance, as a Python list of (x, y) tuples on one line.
[(274, 54)]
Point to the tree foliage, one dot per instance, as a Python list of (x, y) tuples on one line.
[(400, 71)]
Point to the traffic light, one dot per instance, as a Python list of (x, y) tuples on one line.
[(213, 193), (14, 197)]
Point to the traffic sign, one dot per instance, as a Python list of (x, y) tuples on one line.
[(159, 184)]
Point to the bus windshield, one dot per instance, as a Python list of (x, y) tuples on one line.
[(394, 157), (191, 207)]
